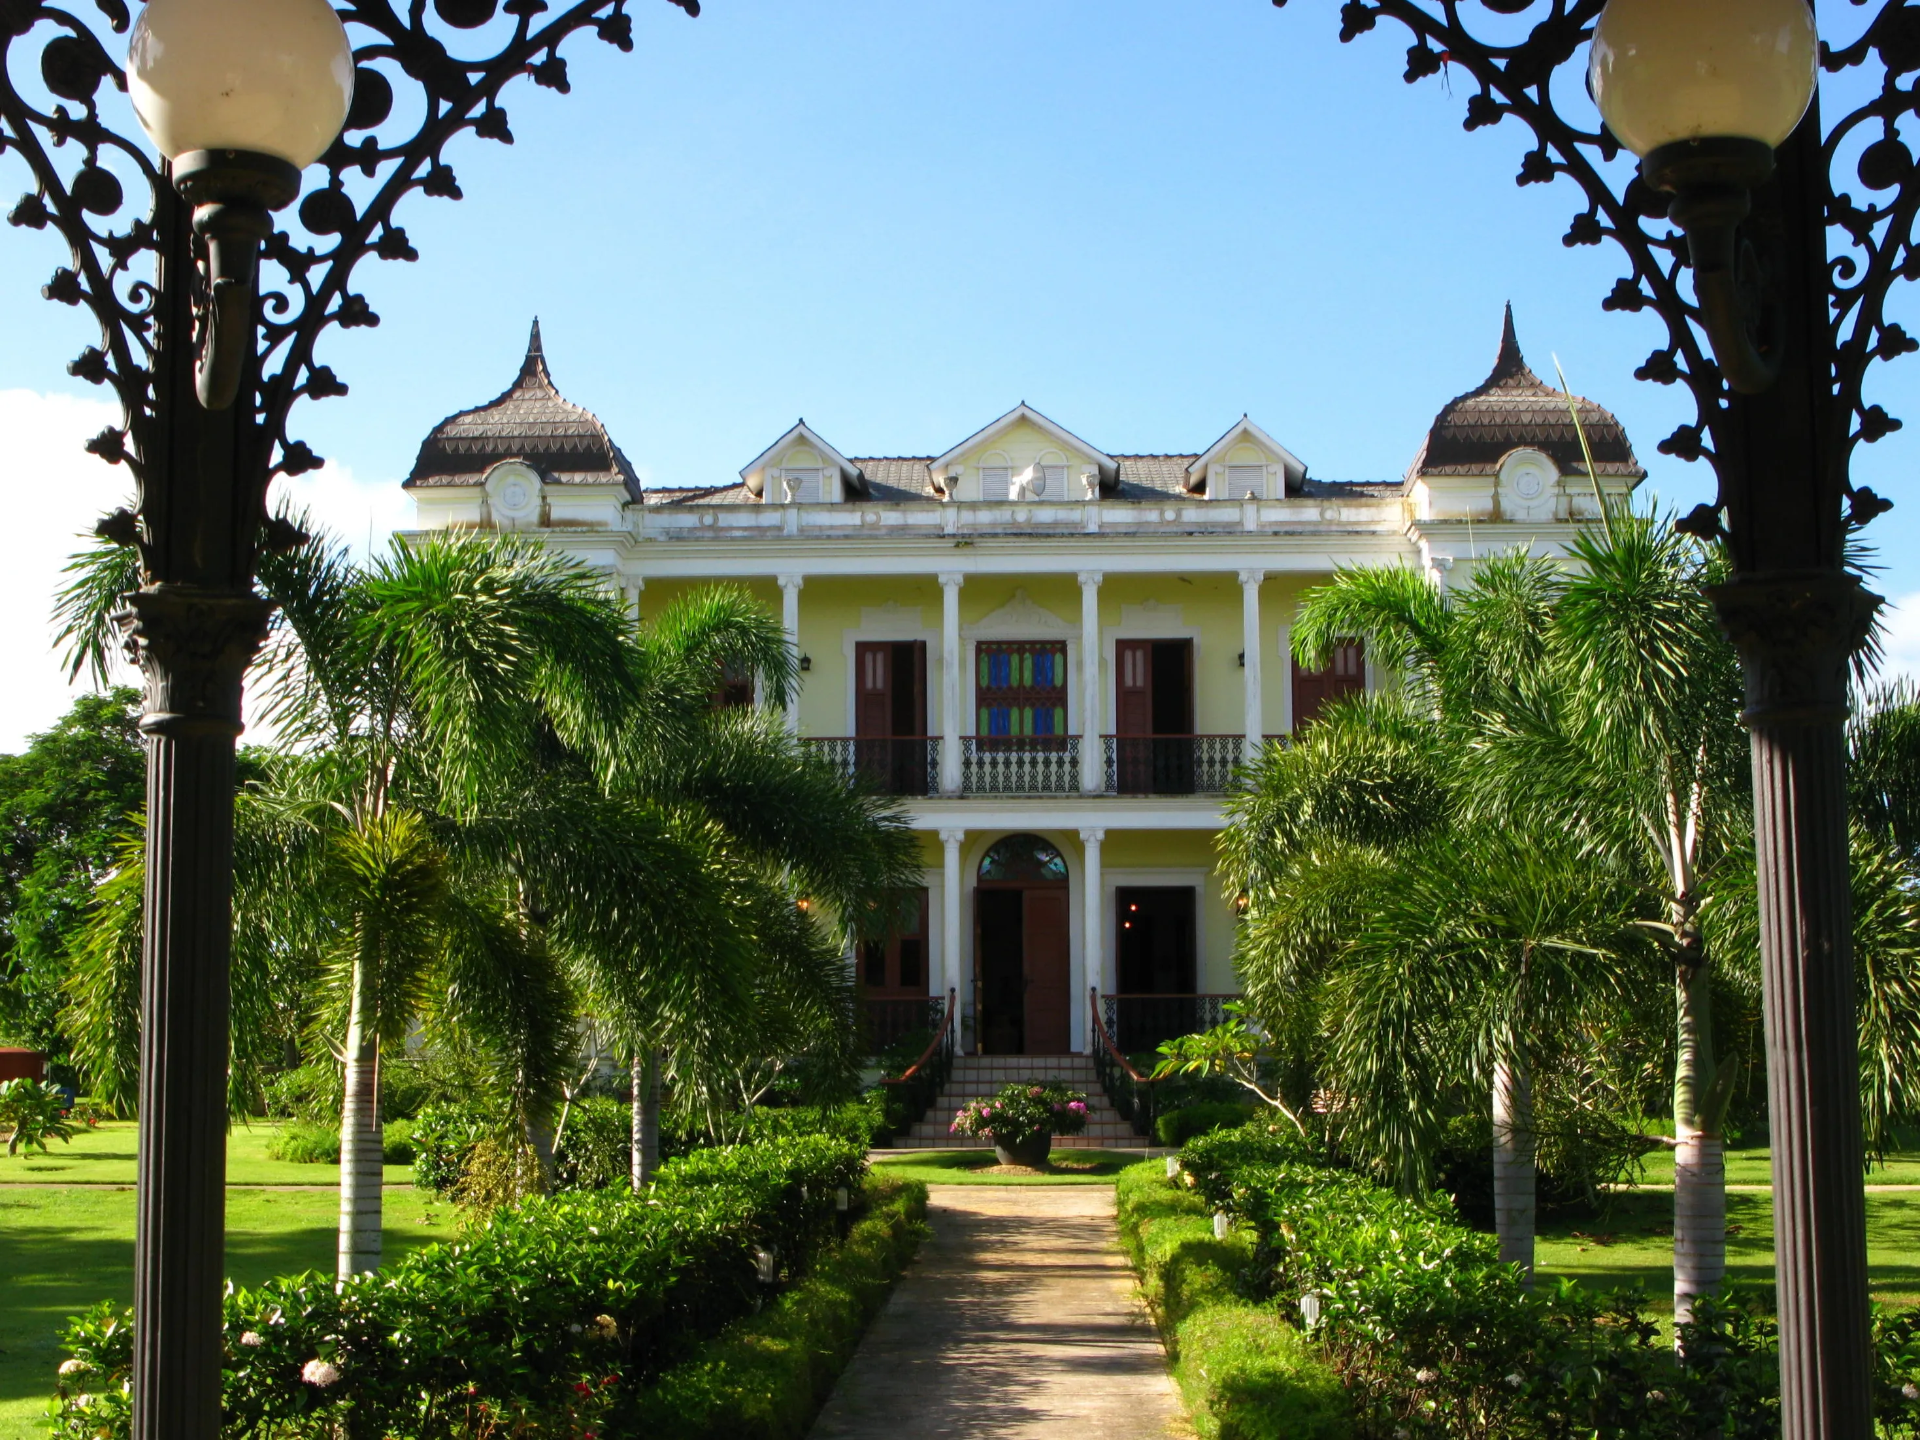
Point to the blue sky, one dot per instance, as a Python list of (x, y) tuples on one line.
[(898, 218)]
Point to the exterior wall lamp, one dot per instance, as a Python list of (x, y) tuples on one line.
[(210, 311), (806, 664)]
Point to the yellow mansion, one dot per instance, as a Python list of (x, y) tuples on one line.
[(1055, 656)]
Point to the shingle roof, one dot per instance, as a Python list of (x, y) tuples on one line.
[(1512, 408), (531, 421)]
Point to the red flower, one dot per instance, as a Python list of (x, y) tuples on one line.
[(583, 1387)]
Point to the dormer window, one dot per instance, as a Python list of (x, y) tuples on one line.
[(1246, 482), (996, 482), (802, 485)]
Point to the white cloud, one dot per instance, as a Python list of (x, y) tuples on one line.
[(55, 494), (1901, 621), (361, 513)]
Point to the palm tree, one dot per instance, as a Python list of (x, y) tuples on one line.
[(830, 860), (437, 841), (1436, 953), (1634, 746)]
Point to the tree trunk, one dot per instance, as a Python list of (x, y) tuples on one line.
[(1513, 1162), (360, 1148), (1699, 1166), (646, 1117)]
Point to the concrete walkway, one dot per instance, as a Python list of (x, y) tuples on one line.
[(1018, 1319)]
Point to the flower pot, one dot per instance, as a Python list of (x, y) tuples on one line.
[(1031, 1152)]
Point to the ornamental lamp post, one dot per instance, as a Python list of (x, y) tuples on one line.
[(1768, 271), (208, 352), (240, 96)]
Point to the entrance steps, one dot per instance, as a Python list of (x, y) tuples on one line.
[(975, 1077)]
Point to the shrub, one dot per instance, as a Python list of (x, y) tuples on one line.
[(595, 1149), (1432, 1336), (32, 1113), (302, 1142), (548, 1320), (766, 1377), (1023, 1111), (1176, 1127), (443, 1139), (1246, 1374)]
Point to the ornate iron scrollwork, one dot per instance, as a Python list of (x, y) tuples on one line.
[(415, 92), (1516, 54)]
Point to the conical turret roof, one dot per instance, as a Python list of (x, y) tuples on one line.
[(530, 421), (1514, 409)]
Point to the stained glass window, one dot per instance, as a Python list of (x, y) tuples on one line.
[(1023, 857), (1021, 687)]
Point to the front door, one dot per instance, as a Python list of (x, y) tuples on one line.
[(1153, 716), (1023, 943)]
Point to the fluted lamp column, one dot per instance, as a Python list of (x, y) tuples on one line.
[(238, 96), (1717, 97)]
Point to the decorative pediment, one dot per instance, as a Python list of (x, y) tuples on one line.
[(1052, 456), (1021, 619), (766, 474), (1246, 454)]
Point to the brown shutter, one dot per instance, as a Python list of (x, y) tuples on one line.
[(1133, 687), (873, 690)]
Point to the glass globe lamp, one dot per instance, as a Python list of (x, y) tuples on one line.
[(267, 77)]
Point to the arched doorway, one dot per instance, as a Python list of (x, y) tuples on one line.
[(1021, 948)]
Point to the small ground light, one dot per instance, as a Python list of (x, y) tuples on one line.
[(763, 1266), (1221, 1224), (1173, 1166), (1310, 1310), (840, 1199)]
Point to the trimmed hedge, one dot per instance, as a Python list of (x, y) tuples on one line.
[(1245, 1373), (548, 1321), (1433, 1337), (766, 1377), (1176, 1127)]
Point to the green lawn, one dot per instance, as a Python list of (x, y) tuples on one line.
[(963, 1167), (1750, 1167), (62, 1250), (105, 1156), (1633, 1243)]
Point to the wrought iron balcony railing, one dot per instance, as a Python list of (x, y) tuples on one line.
[(1020, 764), (1171, 764), (886, 1021), (893, 765), (1141, 1023)]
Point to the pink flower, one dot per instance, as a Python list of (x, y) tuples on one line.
[(1079, 1107), (1036, 1092), (320, 1373)]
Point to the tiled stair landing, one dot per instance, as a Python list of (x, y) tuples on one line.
[(977, 1076)]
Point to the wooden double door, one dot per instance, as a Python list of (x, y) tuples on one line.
[(1022, 945)]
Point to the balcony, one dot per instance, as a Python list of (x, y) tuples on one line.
[(1171, 764), (1139, 1024), (909, 765), (892, 765), (1020, 764)]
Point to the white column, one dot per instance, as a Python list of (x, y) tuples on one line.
[(1093, 766), (950, 959), (790, 622), (634, 587), (1093, 939), (1250, 639), (951, 687)]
